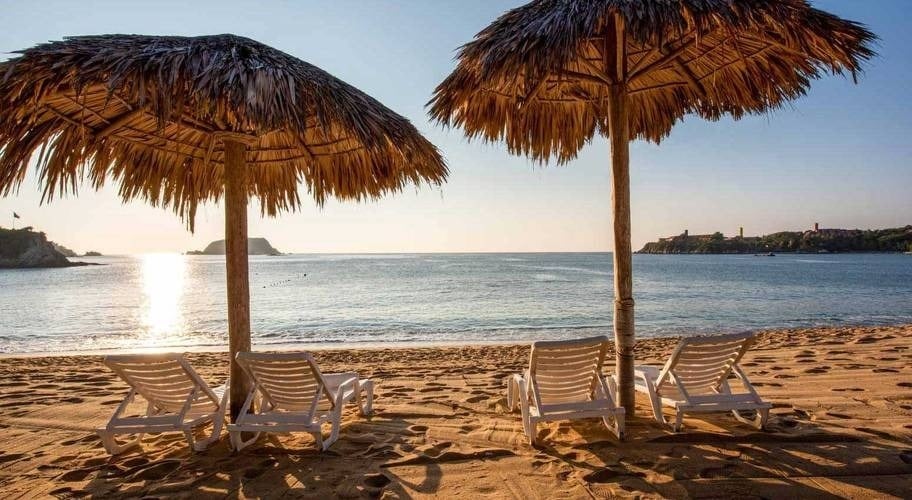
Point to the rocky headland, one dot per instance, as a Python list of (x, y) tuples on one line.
[(255, 246), (25, 248)]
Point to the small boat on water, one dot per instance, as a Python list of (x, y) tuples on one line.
[(770, 254)]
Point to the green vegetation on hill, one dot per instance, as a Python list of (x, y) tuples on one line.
[(823, 240)]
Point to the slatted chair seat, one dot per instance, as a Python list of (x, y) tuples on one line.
[(294, 396), (177, 398), (564, 382), (695, 379)]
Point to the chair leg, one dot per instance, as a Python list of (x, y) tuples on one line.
[(335, 422), (218, 421), (528, 426), (679, 420), (238, 443), (112, 446), (759, 420), (654, 399), (532, 432), (367, 407), (617, 427), (514, 386), (188, 435)]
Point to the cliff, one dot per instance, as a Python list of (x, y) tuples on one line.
[(255, 246), (819, 241), (64, 250), (20, 248)]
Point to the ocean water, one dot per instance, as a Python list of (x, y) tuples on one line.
[(169, 301)]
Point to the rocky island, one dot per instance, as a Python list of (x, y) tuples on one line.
[(25, 248), (255, 246), (812, 241)]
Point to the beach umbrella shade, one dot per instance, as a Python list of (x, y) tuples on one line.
[(177, 121), (547, 76)]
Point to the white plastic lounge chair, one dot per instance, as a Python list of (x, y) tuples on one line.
[(695, 380), (564, 382), (295, 397), (177, 400)]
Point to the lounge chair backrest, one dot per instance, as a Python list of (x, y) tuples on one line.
[(165, 380), (566, 371), (288, 381), (701, 364)]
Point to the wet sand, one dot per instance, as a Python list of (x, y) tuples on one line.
[(841, 426)]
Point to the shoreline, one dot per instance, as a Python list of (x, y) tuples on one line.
[(397, 345)]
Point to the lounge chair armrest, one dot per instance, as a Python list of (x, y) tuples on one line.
[(334, 381), (350, 383)]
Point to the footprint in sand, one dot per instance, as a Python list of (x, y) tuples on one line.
[(418, 429), (803, 414), (77, 475), (153, 471), (135, 462), (848, 389), (904, 384), (906, 456), (839, 415), (716, 472), (402, 389), (783, 375), (4, 458), (475, 399), (103, 460), (880, 434), (376, 481), (67, 492), (885, 370), (818, 369)]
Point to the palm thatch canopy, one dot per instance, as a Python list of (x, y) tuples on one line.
[(546, 76), (149, 112), (537, 77)]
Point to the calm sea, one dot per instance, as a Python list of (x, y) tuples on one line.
[(174, 301)]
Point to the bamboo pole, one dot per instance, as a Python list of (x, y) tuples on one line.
[(236, 267), (624, 339)]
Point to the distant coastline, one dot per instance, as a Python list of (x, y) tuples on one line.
[(817, 240)]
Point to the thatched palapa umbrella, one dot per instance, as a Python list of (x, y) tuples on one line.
[(545, 77), (176, 121)]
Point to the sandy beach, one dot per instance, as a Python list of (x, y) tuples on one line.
[(841, 427)]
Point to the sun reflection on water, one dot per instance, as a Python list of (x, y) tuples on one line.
[(163, 286)]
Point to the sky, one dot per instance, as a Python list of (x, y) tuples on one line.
[(839, 156)]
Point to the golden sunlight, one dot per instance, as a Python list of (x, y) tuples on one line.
[(163, 286)]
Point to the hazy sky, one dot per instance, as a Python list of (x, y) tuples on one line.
[(839, 156)]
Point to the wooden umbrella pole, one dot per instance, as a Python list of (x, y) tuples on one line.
[(624, 337), (236, 267)]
